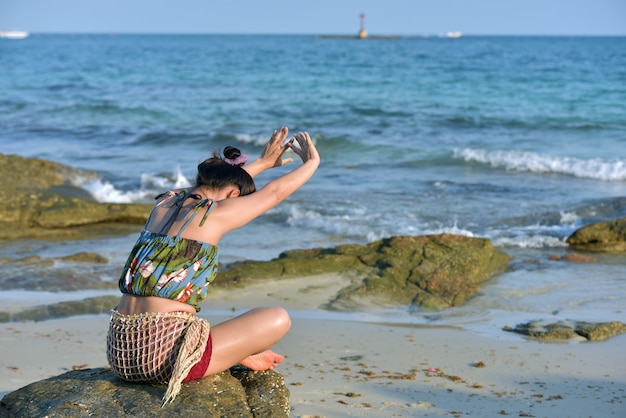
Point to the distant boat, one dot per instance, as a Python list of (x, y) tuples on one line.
[(453, 34), (14, 34)]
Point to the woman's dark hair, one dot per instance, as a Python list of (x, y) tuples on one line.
[(216, 173)]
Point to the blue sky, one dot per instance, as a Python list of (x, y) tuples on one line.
[(384, 17)]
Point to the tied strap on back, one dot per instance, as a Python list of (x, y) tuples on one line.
[(179, 199), (208, 203)]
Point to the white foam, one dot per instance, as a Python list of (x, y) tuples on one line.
[(595, 168), (259, 140), (454, 230), (372, 227), (569, 218), (105, 192), (361, 225), (535, 236), (160, 183), (530, 241), (336, 224)]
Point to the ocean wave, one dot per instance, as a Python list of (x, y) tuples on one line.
[(233, 139), (167, 138), (356, 225), (537, 235), (469, 121), (442, 229), (151, 185), (596, 168), (325, 144), (530, 241), (378, 111), (361, 225)]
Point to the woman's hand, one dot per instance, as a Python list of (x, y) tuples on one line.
[(272, 155), (306, 149)]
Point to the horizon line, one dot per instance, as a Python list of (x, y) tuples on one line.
[(438, 34)]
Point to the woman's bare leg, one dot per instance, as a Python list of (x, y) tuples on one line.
[(247, 339)]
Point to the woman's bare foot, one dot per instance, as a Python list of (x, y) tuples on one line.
[(263, 361)]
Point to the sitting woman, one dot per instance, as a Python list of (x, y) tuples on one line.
[(154, 334)]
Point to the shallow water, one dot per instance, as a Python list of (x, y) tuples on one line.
[(517, 139)]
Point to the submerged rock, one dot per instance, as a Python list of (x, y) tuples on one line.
[(604, 236), (564, 330), (93, 305), (434, 271), (40, 200), (573, 258), (238, 392)]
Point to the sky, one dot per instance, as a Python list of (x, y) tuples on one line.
[(382, 17)]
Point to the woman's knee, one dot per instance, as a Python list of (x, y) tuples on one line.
[(281, 321), (284, 319)]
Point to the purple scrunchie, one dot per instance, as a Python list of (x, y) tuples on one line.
[(239, 161)]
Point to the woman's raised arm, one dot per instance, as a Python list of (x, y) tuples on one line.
[(234, 213)]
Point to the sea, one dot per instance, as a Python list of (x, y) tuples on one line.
[(521, 140)]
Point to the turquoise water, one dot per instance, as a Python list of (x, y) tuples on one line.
[(518, 139)]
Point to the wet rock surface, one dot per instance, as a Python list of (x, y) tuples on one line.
[(603, 236), (565, 330), (40, 199), (572, 257), (97, 392), (93, 305), (434, 271)]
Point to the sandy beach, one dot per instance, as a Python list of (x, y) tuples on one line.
[(346, 368)]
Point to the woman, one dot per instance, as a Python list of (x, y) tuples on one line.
[(154, 334)]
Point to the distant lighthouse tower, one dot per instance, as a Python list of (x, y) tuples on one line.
[(362, 31)]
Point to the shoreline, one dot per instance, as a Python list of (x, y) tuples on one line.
[(336, 368), (356, 364)]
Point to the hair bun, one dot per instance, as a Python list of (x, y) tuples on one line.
[(232, 156), (231, 152)]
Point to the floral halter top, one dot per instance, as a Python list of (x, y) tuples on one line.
[(168, 266)]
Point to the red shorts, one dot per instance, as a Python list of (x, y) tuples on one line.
[(200, 368)]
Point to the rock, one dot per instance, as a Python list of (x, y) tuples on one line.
[(599, 331), (604, 236), (573, 258), (40, 200), (238, 392), (434, 272), (84, 257), (92, 305), (564, 330), (539, 330), (59, 274)]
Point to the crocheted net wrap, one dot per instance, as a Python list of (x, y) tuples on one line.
[(156, 347)]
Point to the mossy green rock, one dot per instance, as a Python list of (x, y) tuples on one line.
[(98, 392), (603, 236), (565, 330), (39, 200), (434, 271)]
